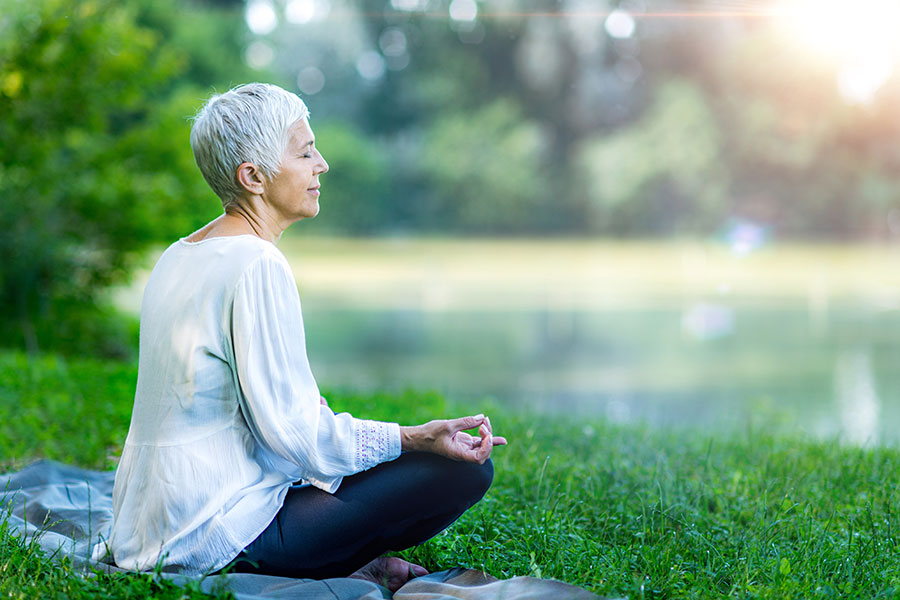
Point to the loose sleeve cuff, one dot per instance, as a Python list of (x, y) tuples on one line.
[(376, 442)]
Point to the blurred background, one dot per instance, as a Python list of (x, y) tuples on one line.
[(680, 212)]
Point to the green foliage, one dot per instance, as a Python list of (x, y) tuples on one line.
[(209, 40), (662, 173), (355, 191), (99, 165), (486, 170), (79, 329), (621, 510), (677, 130), (72, 411)]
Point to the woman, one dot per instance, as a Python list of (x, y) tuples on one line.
[(227, 415)]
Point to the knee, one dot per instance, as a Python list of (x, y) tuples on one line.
[(476, 480), (448, 482), (485, 477)]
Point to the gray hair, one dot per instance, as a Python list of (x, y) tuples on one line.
[(248, 123)]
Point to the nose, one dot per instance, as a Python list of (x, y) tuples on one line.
[(322, 167)]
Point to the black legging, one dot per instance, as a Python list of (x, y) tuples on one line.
[(392, 506)]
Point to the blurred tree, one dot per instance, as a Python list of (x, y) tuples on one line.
[(802, 158), (662, 175), (447, 88), (354, 199), (96, 163), (756, 130), (486, 170), (208, 36)]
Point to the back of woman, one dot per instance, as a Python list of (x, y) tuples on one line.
[(190, 470), (232, 454)]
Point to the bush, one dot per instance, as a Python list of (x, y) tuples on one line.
[(98, 164)]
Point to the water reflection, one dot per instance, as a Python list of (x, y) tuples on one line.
[(769, 370), (744, 236), (708, 321), (857, 396)]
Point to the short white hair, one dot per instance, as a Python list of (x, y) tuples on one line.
[(248, 123)]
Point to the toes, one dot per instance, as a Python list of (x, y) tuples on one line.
[(391, 572)]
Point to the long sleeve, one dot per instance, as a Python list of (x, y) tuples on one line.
[(226, 411), (278, 395)]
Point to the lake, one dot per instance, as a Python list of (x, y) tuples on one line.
[(716, 334)]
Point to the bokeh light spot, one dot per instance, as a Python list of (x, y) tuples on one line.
[(744, 237), (619, 24), (392, 42), (259, 54), (310, 80), (628, 69), (300, 11), (471, 35), (260, 16), (406, 5), (370, 65), (463, 10)]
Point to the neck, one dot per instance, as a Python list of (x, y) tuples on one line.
[(241, 216)]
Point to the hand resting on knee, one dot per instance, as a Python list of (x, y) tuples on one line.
[(447, 437)]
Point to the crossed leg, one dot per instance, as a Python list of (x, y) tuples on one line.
[(392, 506)]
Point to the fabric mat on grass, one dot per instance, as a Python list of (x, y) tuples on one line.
[(69, 510)]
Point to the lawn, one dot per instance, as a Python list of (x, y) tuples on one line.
[(619, 509)]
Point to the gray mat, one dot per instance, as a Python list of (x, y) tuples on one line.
[(69, 511)]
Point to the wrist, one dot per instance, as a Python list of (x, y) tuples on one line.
[(419, 438), (409, 438)]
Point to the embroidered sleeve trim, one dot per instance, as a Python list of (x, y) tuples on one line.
[(376, 442)]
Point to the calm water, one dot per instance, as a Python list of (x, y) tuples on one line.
[(708, 365), (709, 334)]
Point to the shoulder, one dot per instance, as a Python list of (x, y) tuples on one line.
[(265, 285), (220, 262), (261, 263), (261, 255), (238, 253)]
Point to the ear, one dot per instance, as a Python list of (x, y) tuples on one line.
[(250, 178)]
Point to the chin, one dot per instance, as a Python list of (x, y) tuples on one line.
[(308, 212)]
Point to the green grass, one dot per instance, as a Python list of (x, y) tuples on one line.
[(26, 572), (620, 510)]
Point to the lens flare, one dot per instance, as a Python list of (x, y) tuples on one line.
[(858, 36)]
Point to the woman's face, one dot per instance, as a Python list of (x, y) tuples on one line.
[(294, 192)]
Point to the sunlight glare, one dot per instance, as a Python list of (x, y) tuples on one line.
[(857, 35), (859, 83), (847, 28)]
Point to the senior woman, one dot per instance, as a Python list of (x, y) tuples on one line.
[(232, 456)]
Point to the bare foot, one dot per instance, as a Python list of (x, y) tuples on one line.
[(391, 572)]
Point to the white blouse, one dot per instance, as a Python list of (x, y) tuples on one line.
[(226, 412)]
